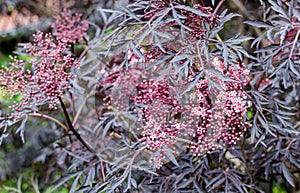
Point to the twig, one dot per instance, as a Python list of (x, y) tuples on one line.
[(49, 118), (83, 53), (79, 110), (218, 7), (77, 135), (34, 183), (294, 43)]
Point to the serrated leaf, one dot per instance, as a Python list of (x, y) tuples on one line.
[(198, 187), (192, 84), (258, 24), (287, 175), (107, 127), (164, 35), (257, 41), (225, 53), (270, 35), (137, 51), (185, 183), (171, 157), (293, 69), (90, 177), (64, 180), (110, 11), (144, 169), (283, 34), (278, 8), (269, 48), (219, 74), (296, 13), (216, 182), (228, 17), (195, 11), (161, 16), (21, 128), (215, 179), (178, 58), (240, 39), (119, 181), (133, 182), (263, 122), (234, 181), (75, 183)]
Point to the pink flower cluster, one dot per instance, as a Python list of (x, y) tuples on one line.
[(192, 20), (156, 96), (217, 114), (69, 28), (44, 78), (197, 23), (207, 117)]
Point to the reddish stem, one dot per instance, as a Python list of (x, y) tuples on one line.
[(218, 7), (77, 135)]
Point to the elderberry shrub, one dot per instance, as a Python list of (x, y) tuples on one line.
[(160, 101)]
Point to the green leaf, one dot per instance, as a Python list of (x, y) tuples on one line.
[(108, 31), (250, 112), (278, 188)]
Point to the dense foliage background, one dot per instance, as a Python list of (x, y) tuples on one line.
[(151, 96)]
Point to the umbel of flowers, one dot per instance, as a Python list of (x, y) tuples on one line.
[(207, 116), (44, 78), (217, 114)]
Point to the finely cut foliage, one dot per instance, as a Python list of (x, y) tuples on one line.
[(159, 96), (210, 118)]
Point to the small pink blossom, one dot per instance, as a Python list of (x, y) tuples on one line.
[(69, 28), (210, 118), (44, 78)]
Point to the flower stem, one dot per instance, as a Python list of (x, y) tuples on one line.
[(49, 118), (77, 135), (79, 110), (218, 7)]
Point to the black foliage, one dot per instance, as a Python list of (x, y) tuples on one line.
[(268, 153)]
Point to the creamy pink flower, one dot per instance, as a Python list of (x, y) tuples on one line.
[(69, 28)]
